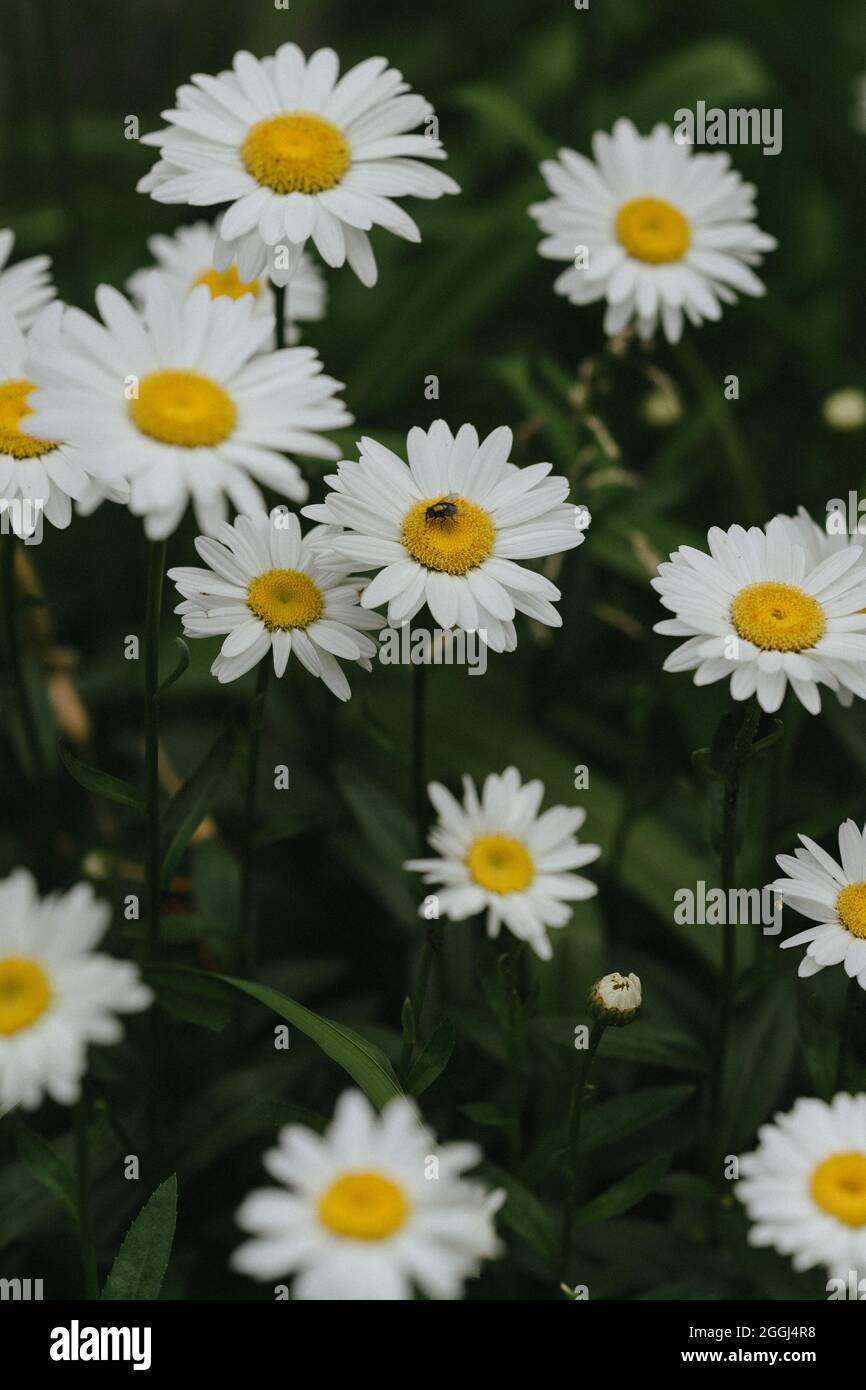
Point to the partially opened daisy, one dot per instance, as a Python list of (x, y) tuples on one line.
[(756, 610), (804, 1187), (834, 896), (186, 260), (182, 401), (298, 153), (659, 232), (25, 288), (449, 529), (268, 592), (57, 994), (371, 1209), (497, 854)]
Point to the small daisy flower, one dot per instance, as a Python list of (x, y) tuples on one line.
[(299, 153), (374, 1209), (39, 476), (25, 288), (653, 228), (759, 611), (616, 999), (57, 994), (497, 853), (186, 260), (804, 1187), (833, 895), (270, 593), (449, 529), (182, 402)]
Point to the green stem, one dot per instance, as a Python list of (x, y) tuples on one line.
[(153, 864), (280, 311), (582, 1068), (745, 478), (14, 651), (516, 1046), (846, 1032), (247, 923), (433, 939), (85, 1224)]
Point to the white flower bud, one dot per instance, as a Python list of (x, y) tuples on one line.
[(616, 999), (845, 409)]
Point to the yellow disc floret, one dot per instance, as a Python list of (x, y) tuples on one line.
[(652, 230), (183, 407), (296, 153), (13, 409), (500, 864), (454, 543), (851, 908), (363, 1206), (777, 617), (226, 282), (839, 1187), (284, 599), (24, 993)]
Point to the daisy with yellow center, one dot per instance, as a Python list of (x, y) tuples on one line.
[(804, 1187), (498, 854), (661, 233), (449, 528), (765, 612), (57, 995), (298, 153), (373, 1209), (833, 893), (267, 595)]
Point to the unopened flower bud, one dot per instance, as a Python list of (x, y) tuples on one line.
[(616, 999), (845, 409)]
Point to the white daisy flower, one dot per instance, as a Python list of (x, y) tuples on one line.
[(299, 153), (270, 593), (448, 530), (497, 853), (25, 288), (757, 610), (57, 994), (181, 401), (804, 1187), (833, 895), (186, 260), (39, 476), (653, 228), (374, 1209)]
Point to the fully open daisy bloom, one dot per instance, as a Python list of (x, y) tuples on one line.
[(757, 611), (804, 1187), (270, 594), (496, 853), (56, 993), (186, 260), (25, 288), (834, 896), (374, 1209), (448, 529), (657, 231), (181, 401), (300, 153)]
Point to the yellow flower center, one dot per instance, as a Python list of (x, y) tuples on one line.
[(652, 230), (226, 282), (454, 543), (839, 1187), (363, 1206), (13, 408), (284, 599), (777, 617), (24, 993), (851, 908), (183, 407), (296, 153), (500, 864)]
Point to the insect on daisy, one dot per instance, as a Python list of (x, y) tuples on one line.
[(833, 895), (182, 401), (759, 610), (270, 593), (186, 260), (804, 1187), (448, 529), (496, 853), (659, 232), (299, 153), (374, 1209), (57, 994), (25, 288)]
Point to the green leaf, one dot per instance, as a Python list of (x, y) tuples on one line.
[(188, 808), (47, 1167), (142, 1260), (100, 783), (523, 1213), (432, 1061), (611, 1120), (721, 71), (625, 1194), (762, 1050), (365, 1063), (190, 996), (183, 662), (501, 115), (483, 1112)]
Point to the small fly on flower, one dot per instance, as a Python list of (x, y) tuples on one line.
[(444, 509)]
